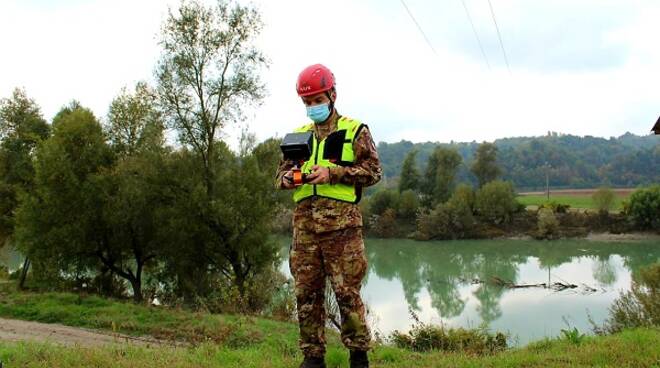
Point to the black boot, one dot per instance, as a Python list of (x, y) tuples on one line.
[(313, 362), (359, 359)]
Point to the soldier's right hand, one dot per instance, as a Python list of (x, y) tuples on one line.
[(287, 180)]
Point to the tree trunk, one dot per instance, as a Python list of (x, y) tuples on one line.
[(137, 284), (24, 271)]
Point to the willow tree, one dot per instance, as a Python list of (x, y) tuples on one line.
[(208, 72), (207, 75)]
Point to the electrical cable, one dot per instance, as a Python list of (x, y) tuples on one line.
[(499, 36), (419, 27), (483, 53)]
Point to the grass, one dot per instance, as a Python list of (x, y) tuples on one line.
[(243, 342), (164, 323), (575, 201), (630, 348)]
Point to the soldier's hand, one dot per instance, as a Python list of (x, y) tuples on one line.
[(287, 180), (319, 175)]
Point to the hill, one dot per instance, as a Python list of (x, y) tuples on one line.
[(574, 162)]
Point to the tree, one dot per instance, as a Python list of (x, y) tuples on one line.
[(409, 178), (207, 75), (643, 207), (603, 199), (60, 223), (131, 190), (485, 166), (439, 179), (496, 202), (22, 128)]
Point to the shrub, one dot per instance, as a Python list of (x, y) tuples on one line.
[(639, 307), (382, 200), (434, 224), (603, 199), (384, 226), (555, 206), (547, 223), (408, 205), (496, 202), (643, 208), (425, 337)]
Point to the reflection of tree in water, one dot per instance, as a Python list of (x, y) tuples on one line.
[(603, 271), (442, 272), (442, 267)]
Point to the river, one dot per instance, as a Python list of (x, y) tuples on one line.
[(450, 282)]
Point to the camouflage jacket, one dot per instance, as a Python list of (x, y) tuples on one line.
[(318, 214)]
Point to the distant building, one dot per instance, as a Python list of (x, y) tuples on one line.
[(656, 127)]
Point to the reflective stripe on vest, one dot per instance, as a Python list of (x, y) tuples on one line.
[(335, 150)]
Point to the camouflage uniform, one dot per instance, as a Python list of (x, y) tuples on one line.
[(327, 241)]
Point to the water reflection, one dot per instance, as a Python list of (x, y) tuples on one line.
[(438, 281)]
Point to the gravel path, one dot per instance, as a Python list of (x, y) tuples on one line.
[(15, 330)]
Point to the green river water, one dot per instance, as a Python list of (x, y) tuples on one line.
[(438, 282)]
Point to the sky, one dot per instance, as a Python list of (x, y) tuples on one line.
[(588, 67)]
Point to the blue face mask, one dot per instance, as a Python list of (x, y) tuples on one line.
[(319, 113)]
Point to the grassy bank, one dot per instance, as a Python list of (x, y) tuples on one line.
[(632, 348), (575, 201), (238, 341), (137, 320)]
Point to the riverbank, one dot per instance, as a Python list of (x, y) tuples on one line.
[(633, 348), (213, 340)]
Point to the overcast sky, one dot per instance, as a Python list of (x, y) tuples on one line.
[(584, 67)]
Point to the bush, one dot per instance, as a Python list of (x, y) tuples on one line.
[(639, 307), (384, 226), (643, 208), (451, 220), (496, 202), (408, 205), (603, 199), (382, 200), (548, 224), (425, 337), (555, 206)]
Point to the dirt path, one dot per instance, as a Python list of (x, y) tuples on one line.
[(15, 330)]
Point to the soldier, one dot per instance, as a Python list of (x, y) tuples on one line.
[(327, 223)]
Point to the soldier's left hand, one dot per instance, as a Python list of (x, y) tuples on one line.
[(319, 175)]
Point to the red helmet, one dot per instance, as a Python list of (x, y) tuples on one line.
[(314, 79)]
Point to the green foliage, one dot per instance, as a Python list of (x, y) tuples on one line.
[(496, 202), (22, 128), (408, 204), (451, 220), (547, 223), (440, 175), (555, 206), (425, 337), (604, 199), (207, 76), (485, 166), (382, 200), (59, 223), (643, 208), (409, 178), (385, 224), (575, 162), (573, 336), (639, 307)]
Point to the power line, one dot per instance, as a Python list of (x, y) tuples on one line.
[(483, 53), (506, 60), (419, 28)]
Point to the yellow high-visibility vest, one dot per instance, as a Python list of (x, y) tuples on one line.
[(335, 150)]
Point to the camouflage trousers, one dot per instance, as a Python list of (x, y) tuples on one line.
[(340, 256)]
